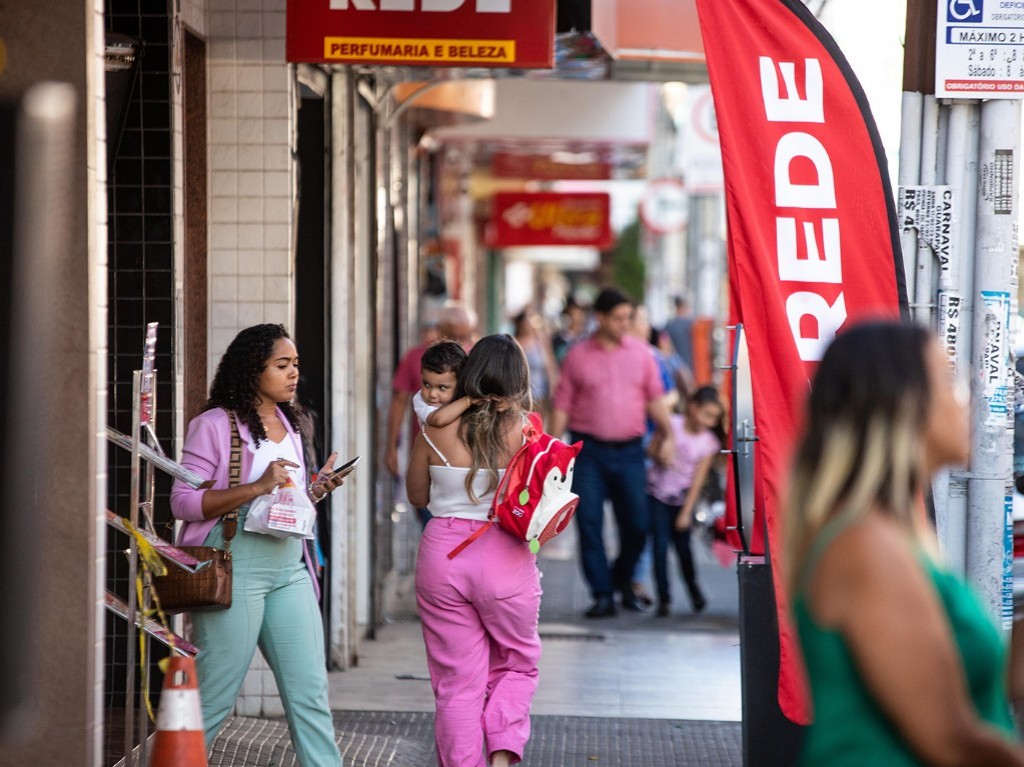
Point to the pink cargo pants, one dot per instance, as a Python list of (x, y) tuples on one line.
[(479, 612)]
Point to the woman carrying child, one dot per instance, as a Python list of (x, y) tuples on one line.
[(479, 609), (673, 490)]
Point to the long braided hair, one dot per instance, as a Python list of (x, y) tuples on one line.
[(235, 385), (497, 372)]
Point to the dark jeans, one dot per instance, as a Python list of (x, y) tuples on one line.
[(615, 472), (663, 520)]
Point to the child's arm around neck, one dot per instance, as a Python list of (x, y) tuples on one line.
[(448, 413)]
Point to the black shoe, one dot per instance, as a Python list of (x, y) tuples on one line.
[(631, 603), (699, 603), (643, 596), (603, 607), (664, 610)]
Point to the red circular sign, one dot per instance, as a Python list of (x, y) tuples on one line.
[(665, 206)]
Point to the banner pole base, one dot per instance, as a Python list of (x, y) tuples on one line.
[(770, 739)]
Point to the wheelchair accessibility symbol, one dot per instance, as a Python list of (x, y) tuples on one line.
[(965, 11)]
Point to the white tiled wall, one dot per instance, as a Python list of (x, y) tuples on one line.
[(251, 171), (251, 182)]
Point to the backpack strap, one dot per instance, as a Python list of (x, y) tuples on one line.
[(532, 430), (533, 427), (470, 538)]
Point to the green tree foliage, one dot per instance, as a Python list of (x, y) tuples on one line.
[(629, 272)]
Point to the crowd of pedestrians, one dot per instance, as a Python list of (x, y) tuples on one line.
[(904, 665), (882, 417), (607, 378)]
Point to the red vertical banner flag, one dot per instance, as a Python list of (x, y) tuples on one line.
[(812, 232)]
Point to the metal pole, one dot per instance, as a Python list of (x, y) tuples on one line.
[(923, 302), (956, 284), (133, 556), (910, 175), (990, 490), (148, 491)]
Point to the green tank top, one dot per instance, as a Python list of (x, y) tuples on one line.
[(849, 729)]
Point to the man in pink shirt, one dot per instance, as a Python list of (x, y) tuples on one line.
[(609, 385)]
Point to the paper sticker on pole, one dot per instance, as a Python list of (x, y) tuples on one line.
[(929, 211), (996, 385), (813, 238)]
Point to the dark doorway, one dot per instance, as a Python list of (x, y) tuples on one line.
[(312, 288)]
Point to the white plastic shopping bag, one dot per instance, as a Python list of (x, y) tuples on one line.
[(285, 513)]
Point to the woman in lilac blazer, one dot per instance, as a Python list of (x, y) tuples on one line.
[(274, 593)]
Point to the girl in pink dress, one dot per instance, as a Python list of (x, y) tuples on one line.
[(673, 491)]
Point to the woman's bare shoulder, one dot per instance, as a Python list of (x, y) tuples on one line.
[(446, 439), (443, 433), (875, 552)]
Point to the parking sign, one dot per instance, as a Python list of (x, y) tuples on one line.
[(979, 49), (965, 11)]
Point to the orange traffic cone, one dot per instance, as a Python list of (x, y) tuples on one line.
[(179, 738)]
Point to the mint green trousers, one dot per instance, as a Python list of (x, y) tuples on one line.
[(273, 607)]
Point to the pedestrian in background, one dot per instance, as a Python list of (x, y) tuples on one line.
[(674, 489), (610, 383), (533, 338), (905, 665), (479, 609), (274, 591), (642, 329), (680, 332), (574, 329)]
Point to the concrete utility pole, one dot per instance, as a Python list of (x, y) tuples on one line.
[(958, 213), (990, 484), (920, 139)]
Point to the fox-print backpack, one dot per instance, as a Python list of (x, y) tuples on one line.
[(534, 500)]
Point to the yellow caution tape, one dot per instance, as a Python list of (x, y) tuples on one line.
[(152, 564), (143, 666), (147, 552)]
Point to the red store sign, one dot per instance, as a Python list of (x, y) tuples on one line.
[(432, 33), (549, 218)]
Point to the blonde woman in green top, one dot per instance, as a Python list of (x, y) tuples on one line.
[(905, 666)]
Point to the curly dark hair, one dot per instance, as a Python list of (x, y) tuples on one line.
[(443, 357), (236, 383)]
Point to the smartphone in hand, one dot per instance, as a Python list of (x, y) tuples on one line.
[(342, 471)]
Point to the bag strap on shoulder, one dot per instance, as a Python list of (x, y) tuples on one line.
[(531, 433), (234, 479), (532, 429)]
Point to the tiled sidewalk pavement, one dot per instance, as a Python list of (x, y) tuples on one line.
[(390, 739)]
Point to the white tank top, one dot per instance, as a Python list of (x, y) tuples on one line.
[(448, 496), (271, 451)]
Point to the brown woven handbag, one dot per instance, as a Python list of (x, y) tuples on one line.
[(209, 588)]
